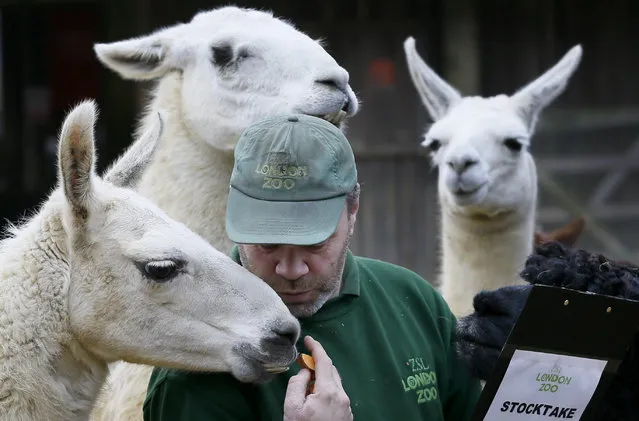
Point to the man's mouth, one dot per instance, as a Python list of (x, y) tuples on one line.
[(297, 297)]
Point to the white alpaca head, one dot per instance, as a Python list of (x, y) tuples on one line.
[(481, 145), (236, 66), (145, 289)]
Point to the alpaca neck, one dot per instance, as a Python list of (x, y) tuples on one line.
[(45, 374), (188, 178), (482, 254)]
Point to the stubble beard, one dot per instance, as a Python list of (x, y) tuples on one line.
[(334, 285)]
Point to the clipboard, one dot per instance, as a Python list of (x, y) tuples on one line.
[(566, 322)]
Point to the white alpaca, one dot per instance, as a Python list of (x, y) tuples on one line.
[(487, 180), (100, 274), (216, 74)]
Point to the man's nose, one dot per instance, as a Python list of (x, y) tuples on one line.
[(291, 267)]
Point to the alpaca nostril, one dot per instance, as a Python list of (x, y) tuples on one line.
[(334, 83), (469, 163), (461, 165), (286, 334), (291, 334), (341, 86), (329, 83), (347, 104)]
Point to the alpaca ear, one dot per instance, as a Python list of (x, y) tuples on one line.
[(540, 238), (534, 97), (436, 94), (569, 233), (128, 168), (142, 58), (76, 157)]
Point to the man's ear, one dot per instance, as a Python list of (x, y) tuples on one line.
[(352, 209), (355, 208), (351, 223)]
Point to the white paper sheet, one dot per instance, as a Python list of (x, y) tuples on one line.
[(543, 386)]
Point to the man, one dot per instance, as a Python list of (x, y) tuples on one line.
[(292, 208)]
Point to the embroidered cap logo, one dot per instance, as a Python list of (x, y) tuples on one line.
[(280, 172)]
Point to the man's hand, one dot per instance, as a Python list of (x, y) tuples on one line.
[(328, 402)]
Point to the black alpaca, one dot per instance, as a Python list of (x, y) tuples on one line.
[(481, 335)]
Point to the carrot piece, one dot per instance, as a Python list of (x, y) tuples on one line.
[(306, 361)]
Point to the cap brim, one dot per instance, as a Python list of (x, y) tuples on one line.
[(254, 221)]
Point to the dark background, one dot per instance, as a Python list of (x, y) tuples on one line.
[(585, 143)]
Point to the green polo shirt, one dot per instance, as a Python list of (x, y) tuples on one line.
[(389, 333)]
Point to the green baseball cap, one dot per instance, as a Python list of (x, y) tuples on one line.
[(289, 182)]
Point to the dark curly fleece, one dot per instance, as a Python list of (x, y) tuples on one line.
[(482, 334)]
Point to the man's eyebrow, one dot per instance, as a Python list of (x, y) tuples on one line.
[(317, 244), (325, 241)]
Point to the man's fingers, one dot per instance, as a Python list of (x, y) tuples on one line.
[(296, 390), (323, 363)]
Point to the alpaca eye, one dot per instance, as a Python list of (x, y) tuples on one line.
[(162, 270), (434, 145), (243, 54), (221, 55), (513, 144)]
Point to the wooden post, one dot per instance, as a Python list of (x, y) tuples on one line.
[(460, 46)]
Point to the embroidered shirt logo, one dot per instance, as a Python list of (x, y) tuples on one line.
[(280, 172), (422, 381)]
